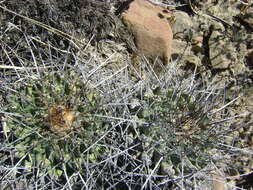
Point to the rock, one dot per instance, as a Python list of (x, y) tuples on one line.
[(248, 18), (222, 52), (167, 169), (151, 29), (192, 65), (182, 24), (179, 47), (197, 40), (218, 181), (250, 58), (189, 62), (197, 45), (193, 61)]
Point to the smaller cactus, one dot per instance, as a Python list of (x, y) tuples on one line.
[(177, 125)]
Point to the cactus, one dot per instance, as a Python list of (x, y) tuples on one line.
[(53, 123)]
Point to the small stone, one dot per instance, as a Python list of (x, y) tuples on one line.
[(135, 105), (193, 60), (197, 45), (182, 24), (197, 40), (222, 52), (178, 48), (167, 169), (151, 29), (248, 18)]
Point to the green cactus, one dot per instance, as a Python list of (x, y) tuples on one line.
[(178, 128), (54, 123)]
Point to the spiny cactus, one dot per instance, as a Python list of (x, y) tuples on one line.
[(53, 123), (176, 124)]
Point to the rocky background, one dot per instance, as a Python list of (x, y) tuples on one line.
[(212, 45)]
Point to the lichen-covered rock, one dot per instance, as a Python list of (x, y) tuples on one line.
[(182, 23), (222, 52), (178, 48), (151, 29)]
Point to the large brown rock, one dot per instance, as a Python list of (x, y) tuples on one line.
[(151, 29), (218, 181)]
